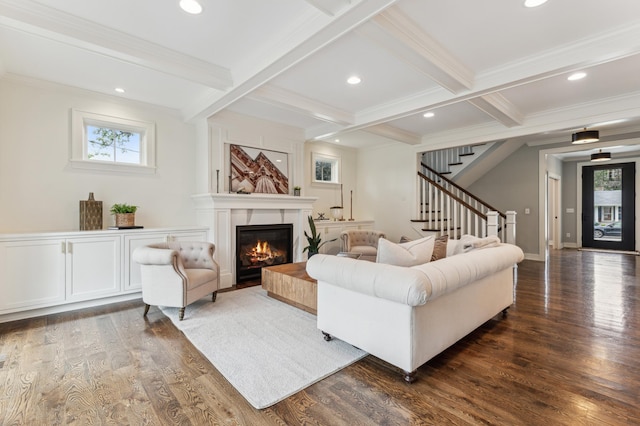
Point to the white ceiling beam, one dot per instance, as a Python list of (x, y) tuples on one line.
[(325, 34), (499, 107), (330, 7), (402, 37), (40, 20), (565, 59), (394, 133), (291, 101), (569, 118)]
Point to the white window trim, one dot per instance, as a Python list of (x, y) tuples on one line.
[(316, 156), (79, 156)]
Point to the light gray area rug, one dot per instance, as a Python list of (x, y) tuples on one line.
[(266, 349)]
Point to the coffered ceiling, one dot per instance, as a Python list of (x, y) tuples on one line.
[(488, 70)]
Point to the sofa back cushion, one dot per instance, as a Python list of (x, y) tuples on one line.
[(405, 254)]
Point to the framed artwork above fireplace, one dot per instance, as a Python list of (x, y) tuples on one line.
[(258, 170)]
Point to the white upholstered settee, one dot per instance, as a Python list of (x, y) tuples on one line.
[(407, 315)]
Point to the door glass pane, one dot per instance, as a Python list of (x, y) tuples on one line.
[(607, 204)]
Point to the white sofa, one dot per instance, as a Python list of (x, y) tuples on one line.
[(407, 315)]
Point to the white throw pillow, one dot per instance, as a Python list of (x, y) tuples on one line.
[(412, 253)]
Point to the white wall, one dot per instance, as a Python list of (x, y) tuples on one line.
[(230, 128), (387, 188), (39, 191), (329, 193)]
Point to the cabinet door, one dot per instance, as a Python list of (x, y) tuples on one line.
[(93, 267), (188, 236), (32, 274), (131, 268)]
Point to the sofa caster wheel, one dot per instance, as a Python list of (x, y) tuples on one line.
[(327, 336), (504, 312), (181, 314), (214, 296), (410, 376), (146, 310)]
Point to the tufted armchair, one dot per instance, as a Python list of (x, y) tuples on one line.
[(364, 241), (177, 273)]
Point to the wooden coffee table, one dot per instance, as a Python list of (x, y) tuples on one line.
[(290, 284)]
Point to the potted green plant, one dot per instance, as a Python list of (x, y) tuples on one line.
[(314, 240), (296, 191), (125, 214)]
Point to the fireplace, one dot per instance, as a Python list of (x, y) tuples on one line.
[(262, 245)]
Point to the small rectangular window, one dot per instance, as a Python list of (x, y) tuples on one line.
[(326, 169), (109, 144), (112, 143)]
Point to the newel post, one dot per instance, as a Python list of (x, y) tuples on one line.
[(492, 223), (511, 227)]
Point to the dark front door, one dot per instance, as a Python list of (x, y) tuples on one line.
[(608, 206)]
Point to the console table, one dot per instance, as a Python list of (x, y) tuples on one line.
[(289, 283)]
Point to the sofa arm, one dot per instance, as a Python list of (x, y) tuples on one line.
[(395, 283)]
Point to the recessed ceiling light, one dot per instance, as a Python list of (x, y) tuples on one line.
[(428, 114), (534, 3), (191, 6), (119, 89), (354, 79), (577, 76), (337, 140)]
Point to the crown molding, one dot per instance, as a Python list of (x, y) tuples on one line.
[(37, 19)]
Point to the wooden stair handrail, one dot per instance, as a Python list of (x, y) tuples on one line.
[(489, 206), (452, 195)]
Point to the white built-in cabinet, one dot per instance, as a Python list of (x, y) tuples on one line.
[(330, 230), (53, 272)]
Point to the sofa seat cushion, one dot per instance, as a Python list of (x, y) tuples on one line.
[(197, 277)]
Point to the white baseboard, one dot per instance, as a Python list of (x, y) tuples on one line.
[(32, 313)]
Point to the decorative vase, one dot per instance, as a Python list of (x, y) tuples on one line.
[(90, 214), (125, 219)]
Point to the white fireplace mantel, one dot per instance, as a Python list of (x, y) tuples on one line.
[(222, 212), (252, 201)]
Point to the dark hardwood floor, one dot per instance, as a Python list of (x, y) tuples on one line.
[(568, 353)]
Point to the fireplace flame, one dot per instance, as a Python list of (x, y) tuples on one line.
[(261, 252)]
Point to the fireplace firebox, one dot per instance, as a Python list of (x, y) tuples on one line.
[(262, 245)]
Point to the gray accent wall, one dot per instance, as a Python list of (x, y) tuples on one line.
[(513, 185)]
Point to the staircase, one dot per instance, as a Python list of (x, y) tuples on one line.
[(452, 161), (446, 208)]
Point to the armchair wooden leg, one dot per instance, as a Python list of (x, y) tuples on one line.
[(146, 310), (214, 296), (181, 314)]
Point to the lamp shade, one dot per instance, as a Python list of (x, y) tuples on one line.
[(585, 136), (600, 156)]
